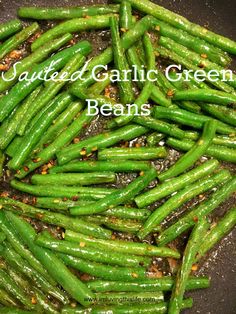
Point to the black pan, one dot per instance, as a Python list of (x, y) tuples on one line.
[(220, 265)]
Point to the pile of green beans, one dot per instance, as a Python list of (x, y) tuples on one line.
[(104, 198)]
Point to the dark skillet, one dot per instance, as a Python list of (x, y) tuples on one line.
[(220, 265)]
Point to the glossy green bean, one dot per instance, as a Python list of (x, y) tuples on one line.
[(190, 119), (64, 138), (221, 113), (151, 285), (22, 89), (204, 209), (14, 41), (63, 120), (120, 62), (31, 138), (154, 138), (133, 153), (176, 184), (2, 159), (220, 152), (180, 198), (72, 26), (121, 246), (119, 197), (9, 28), (74, 178), (52, 263), (192, 155), (190, 252), (206, 95), (7, 299), (92, 166), (194, 43), (62, 191), (99, 255), (182, 23), (218, 232), (100, 141), (62, 13), (55, 218)]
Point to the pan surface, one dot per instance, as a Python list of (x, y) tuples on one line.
[(220, 265)]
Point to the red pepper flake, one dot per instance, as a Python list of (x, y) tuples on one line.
[(194, 267), (15, 54), (34, 300), (3, 67), (75, 198), (170, 93), (76, 140), (5, 194), (137, 145), (83, 152), (26, 169), (141, 173), (195, 219), (204, 56)]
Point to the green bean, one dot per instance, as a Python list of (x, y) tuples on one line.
[(53, 88), (191, 119), (197, 60), (217, 232), (22, 89), (216, 151), (63, 120), (9, 28), (180, 198), (125, 86), (121, 246), (134, 153), (156, 95), (147, 87), (9, 127), (151, 285), (159, 308), (154, 138), (206, 95), (10, 286), (127, 40), (194, 43), (14, 73), (125, 15), (14, 41), (180, 22), (90, 253), (105, 271), (119, 212), (176, 184), (179, 59), (6, 299), (31, 138), (19, 247), (204, 209), (54, 265), (223, 114), (2, 236), (62, 191), (55, 218), (72, 26), (19, 264), (160, 126), (193, 154), (119, 197), (100, 141), (190, 252), (92, 166), (61, 13), (74, 178), (224, 141)]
